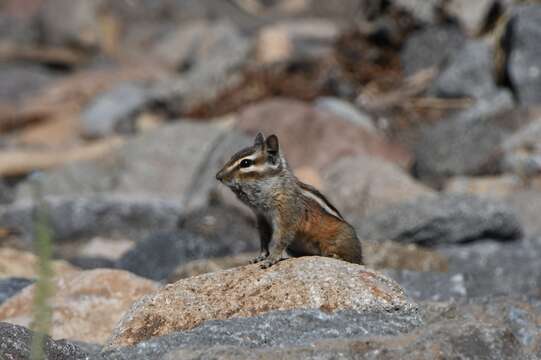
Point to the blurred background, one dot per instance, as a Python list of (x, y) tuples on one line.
[(419, 119)]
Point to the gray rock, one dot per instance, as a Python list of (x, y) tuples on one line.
[(11, 286), (20, 81), (472, 15), (210, 232), (18, 29), (7, 194), (203, 187), (523, 39), (431, 286), (522, 151), (16, 342), (72, 219), (71, 23), (424, 11), (157, 164), (430, 47), (362, 185), (527, 206), (469, 73), (447, 219), (114, 110), (469, 142), (280, 328), (346, 111), (498, 268), (487, 328), (216, 55)]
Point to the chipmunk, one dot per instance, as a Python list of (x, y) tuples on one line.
[(293, 218)]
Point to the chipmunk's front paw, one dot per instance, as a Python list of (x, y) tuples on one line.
[(268, 262), (260, 258)]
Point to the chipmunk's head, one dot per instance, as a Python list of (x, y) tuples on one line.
[(259, 161)]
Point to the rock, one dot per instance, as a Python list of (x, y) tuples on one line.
[(524, 200), (424, 11), (429, 47), (202, 45), (213, 56), (86, 305), (114, 110), (304, 283), (157, 164), (11, 286), (494, 268), (472, 15), (6, 193), (523, 35), (527, 206), (83, 218), (204, 266), (16, 263), (488, 328), (71, 23), (447, 219), (346, 111), (292, 120), (469, 142), (203, 233), (18, 81), (496, 187), (377, 255), (277, 328), (392, 255), (16, 343), (106, 248), (298, 39), (431, 286), (204, 188), (522, 151), (361, 185), (163, 162), (469, 73)]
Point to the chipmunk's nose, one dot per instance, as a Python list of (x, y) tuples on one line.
[(220, 175)]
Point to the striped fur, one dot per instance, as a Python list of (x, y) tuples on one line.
[(292, 217)]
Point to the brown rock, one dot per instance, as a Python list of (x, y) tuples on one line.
[(16, 263), (303, 283), (361, 185), (86, 305), (315, 138)]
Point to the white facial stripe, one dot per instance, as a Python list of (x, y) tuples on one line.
[(321, 203), (252, 168), (236, 163)]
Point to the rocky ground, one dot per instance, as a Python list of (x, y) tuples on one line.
[(420, 120)]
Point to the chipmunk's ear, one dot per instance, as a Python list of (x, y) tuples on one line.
[(259, 140), (272, 144)]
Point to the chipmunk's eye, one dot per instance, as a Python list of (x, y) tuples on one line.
[(246, 163)]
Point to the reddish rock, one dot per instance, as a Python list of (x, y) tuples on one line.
[(303, 283), (23, 264), (86, 305), (315, 138)]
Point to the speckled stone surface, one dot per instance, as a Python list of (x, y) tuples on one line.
[(303, 283), (86, 305)]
